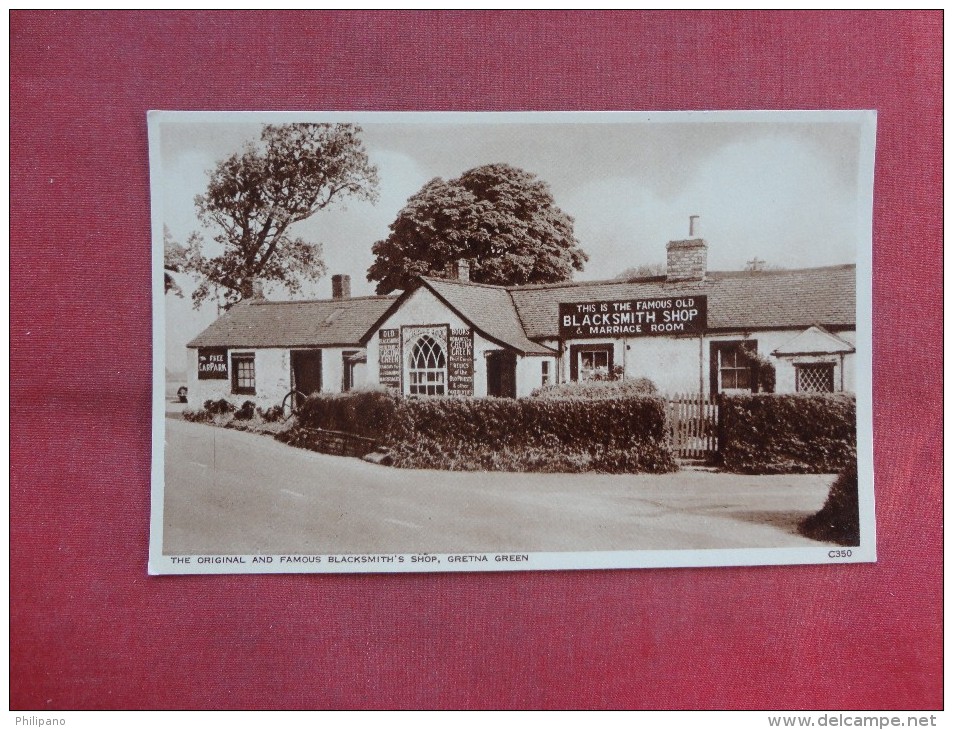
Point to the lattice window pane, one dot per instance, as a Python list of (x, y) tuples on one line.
[(813, 378)]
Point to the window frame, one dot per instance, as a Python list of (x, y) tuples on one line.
[(830, 367), (236, 359), (427, 380), (576, 352), (717, 350)]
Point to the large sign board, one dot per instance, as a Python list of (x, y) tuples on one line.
[(213, 363), (659, 316), (460, 362), (388, 358)]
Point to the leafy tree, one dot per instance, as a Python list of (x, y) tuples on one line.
[(254, 197), (503, 219), (174, 261), (643, 271)]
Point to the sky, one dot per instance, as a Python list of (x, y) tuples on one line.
[(787, 192)]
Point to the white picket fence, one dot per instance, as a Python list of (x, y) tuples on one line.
[(693, 425)]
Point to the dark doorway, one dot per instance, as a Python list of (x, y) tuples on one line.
[(355, 365), (501, 374), (305, 372)]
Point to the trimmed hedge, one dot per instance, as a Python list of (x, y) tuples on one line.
[(597, 389), (368, 413), (839, 518), (800, 433), (568, 434)]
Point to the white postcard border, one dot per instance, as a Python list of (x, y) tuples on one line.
[(161, 564)]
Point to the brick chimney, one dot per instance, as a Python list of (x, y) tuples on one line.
[(341, 286), (688, 258), (459, 269)]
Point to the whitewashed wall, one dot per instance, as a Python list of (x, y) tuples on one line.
[(786, 373), (332, 369), (272, 379), (529, 373), (672, 363), (675, 364), (423, 308), (272, 376)]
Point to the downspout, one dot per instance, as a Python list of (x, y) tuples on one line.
[(559, 362), (701, 366)]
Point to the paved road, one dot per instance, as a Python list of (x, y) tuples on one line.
[(233, 492)]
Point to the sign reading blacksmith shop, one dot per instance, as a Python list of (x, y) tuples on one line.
[(687, 315), (213, 363)]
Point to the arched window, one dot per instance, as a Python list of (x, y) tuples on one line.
[(428, 367)]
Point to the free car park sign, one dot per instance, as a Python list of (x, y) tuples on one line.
[(684, 315), (213, 363)]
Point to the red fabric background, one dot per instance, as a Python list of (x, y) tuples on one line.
[(89, 628)]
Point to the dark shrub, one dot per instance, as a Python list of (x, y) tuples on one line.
[(271, 415), (562, 459), (216, 407), (805, 433), (199, 416), (839, 518), (246, 412), (763, 374), (532, 434), (598, 389), (497, 423), (367, 413)]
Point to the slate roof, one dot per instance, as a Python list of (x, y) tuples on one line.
[(737, 300), (324, 322), (489, 309), (515, 316)]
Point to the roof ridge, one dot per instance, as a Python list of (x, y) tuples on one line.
[(589, 282), (505, 340), (443, 280), (781, 272), (519, 317), (365, 297), (647, 279)]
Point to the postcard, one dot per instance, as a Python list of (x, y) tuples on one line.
[(393, 342)]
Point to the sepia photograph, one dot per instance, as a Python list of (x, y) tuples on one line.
[(389, 342)]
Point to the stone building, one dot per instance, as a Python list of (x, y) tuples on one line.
[(689, 331)]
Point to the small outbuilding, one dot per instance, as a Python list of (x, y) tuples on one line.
[(263, 351)]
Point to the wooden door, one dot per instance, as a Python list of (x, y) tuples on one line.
[(306, 371)]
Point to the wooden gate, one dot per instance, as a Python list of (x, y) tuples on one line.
[(693, 425)]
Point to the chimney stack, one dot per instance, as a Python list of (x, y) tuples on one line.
[(688, 258), (459, 270), (341, 286)]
